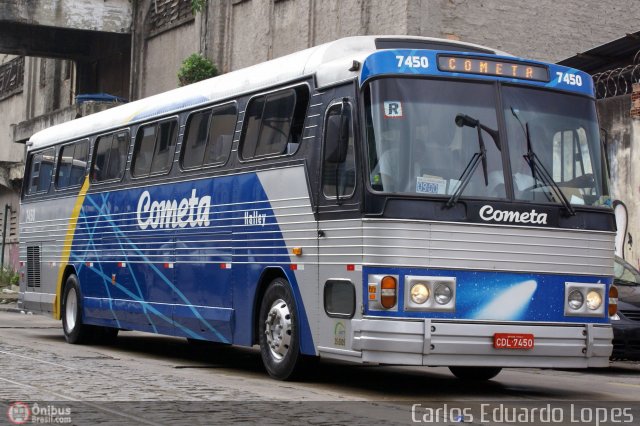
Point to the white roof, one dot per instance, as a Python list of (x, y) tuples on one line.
[(329, 63)]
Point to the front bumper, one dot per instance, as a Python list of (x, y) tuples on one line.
[(448, 343)]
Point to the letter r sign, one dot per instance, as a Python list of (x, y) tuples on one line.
[(393, 109)]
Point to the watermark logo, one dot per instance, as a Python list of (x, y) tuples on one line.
[(19, 413)]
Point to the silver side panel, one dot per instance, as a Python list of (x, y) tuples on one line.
[(487, 247), (44, 224), (446, 343), (290, 201)]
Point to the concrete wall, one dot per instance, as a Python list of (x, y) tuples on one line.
[(238, 33), (95, 15), (162, 39), (163, 56), (12, 110), (623, 145), (11, 249), (548, 30)]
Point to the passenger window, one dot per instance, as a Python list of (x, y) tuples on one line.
[(41, 172), (208, 137), (274, 123), (165, 147), (72, 165), (195, 140), (223, 126), (155, 145), (339, 165), (111, 157)]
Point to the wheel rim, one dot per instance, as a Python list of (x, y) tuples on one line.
[(71, 309), (278, 329)]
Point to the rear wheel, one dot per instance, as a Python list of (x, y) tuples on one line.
[(475, 374), (74, 330), (278, 331)]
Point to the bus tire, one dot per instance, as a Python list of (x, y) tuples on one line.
[(279, 331), (75, 331), (475, 374)]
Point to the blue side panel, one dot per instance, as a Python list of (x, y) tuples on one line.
[(181, 259), (497, 296), (387, 62)]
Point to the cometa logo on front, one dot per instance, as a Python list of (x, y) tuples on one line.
[(489, 214)]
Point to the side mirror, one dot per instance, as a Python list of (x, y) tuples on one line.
[(337, 137)]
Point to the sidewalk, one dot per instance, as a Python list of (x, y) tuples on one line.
[(8, 301)]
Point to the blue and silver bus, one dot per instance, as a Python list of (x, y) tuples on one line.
[(377, 199)]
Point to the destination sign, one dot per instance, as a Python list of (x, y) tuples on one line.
[(487, 66)]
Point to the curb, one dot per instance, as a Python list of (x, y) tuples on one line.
[(11, 308)]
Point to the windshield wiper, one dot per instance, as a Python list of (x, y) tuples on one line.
[(538, 171), (477, 158)]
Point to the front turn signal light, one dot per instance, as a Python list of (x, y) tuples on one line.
[(388, 292), (613, 300)]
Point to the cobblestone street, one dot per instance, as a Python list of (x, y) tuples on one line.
[(144, 378)]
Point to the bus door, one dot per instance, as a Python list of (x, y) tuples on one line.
[(339, 227)]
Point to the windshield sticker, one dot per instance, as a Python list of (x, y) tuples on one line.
[(393, 109), (431, 185)]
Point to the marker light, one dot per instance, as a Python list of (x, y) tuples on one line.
[(419, 293), (594, 300), (576, 299), (443, 294), (388, 292), (613, 300)]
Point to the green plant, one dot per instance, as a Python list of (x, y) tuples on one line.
[(198, 5), (8, 276), (195, 68)]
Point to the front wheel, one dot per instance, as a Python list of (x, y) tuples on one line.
[(75, 331), (475, 374), (278, 331)]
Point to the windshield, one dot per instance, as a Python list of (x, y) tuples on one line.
[(564, 135), (422, 137), (415, 145)]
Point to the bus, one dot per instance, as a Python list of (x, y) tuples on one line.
[(376, 199)]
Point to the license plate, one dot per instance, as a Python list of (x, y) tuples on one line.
[(513, 341)]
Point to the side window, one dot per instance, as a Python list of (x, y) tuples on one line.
[(274, 123), (165, 147), (339, 160), (111, 157), (221, 130), (72, 164), (208, 137), (41, 172), (155, 145)]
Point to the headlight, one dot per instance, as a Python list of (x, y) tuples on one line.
[(594, 300), (576, 299), (587, 300), (443, 294), (429, 293), (419, 293)]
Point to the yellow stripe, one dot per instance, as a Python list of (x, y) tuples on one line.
[(66, 248)]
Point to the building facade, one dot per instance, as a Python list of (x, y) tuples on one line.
[(132, 49)]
